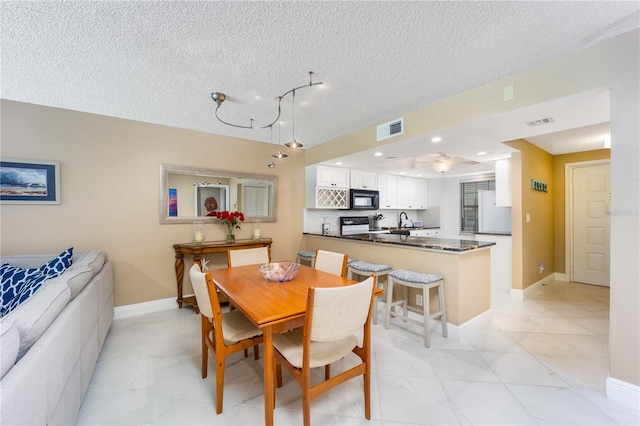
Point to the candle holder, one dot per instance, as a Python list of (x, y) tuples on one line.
[(198, 233), (256, 230)]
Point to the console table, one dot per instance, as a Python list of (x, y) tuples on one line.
[(197, 250)]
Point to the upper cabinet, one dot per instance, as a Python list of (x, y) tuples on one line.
[(503, 182), (412, 193), (327, 187), (332, 177), (402, 192), (364, 180), (388, 188)]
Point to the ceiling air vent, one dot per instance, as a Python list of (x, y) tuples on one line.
[(540, 122), (390, 129)]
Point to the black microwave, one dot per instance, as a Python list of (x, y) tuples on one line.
[(362, 199)]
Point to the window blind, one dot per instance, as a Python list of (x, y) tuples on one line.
[(255, 200), (469, 203)]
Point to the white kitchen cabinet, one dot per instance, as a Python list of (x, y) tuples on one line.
[(412, 193), (323, 190), (332, 177), (388, 189), (434, 233), (364, 180), (503, 182)]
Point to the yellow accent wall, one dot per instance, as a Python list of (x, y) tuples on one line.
[(535, 244)]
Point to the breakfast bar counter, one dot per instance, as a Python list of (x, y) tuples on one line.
[(441, 244), (464, 264)]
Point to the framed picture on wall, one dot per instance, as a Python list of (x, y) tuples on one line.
[(29, 182)]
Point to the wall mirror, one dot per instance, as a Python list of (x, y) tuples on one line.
[(189, 194)]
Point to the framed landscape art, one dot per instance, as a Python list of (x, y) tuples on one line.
[(29, 182)]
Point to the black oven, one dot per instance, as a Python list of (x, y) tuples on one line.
[(362, 199)]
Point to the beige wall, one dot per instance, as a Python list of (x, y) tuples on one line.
[(110, 172), (535, 244), (559, 162)]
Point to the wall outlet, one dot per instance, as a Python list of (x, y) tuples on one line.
[(541, 267), (418, 299)]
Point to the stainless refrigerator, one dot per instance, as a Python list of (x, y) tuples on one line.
[(490, 217)]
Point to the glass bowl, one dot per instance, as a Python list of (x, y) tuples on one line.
[(279, 271)]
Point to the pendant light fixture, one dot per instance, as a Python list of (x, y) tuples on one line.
[(278, 154), (293, 143)]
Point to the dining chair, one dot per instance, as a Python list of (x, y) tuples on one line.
[(333, 317), (223, 335), (252, 256), (331, 262)]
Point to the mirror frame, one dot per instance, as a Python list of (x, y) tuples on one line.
[(165, 169)]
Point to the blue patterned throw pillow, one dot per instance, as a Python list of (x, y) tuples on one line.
[(18, 284)]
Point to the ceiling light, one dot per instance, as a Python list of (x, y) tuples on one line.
[(482, 153), (219, 98), (271, 165), (378, 154), (339, 163), (279, 155), (293, 143), (442, 166), (436, 139)]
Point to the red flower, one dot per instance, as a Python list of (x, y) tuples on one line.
[(230, 218)]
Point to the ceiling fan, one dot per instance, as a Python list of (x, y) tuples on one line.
[(443, 162)]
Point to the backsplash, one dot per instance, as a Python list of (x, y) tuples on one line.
[(313, 218)]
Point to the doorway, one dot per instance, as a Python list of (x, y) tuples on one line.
[(588, 222)]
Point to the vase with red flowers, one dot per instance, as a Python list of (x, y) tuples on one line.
[(232, 221)]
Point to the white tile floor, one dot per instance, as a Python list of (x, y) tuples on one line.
[(541, 361)]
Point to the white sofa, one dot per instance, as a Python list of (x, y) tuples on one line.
[(50, 344)]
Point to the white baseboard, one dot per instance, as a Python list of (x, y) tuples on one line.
[(458, 332), (144, 308), (523, 294), (623, 392), (561, 276)]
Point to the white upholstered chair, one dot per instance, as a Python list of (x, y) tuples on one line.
[(331, 262), (334, 316), (252, 256), (223, 335)]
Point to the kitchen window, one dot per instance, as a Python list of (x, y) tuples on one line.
[(469, 203)]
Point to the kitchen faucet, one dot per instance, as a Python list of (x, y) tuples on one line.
[(405, 216)]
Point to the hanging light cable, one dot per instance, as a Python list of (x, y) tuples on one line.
[(293, 143), (279, 154)]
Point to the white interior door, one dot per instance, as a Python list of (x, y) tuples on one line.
[(591, 205)]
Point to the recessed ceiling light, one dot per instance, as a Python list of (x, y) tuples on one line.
[(392, 157), (436, 139), (482, 153), (401, 173), (418, 175), (339, 163), (378, 154)]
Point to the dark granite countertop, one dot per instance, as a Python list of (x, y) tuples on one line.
[(444, 244), (493, 233)]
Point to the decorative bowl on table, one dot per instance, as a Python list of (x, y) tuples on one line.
[(279, 271)]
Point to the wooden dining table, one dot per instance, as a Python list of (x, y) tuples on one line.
[(272, 306)]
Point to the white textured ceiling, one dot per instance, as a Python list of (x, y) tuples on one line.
[(158, 62)]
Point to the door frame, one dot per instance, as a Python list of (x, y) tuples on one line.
[(568, 211)]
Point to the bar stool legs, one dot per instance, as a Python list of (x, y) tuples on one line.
[(426, 282), (365, 269)]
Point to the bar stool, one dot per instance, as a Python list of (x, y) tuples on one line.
[(307, 256), (365, 269), (408, 278)]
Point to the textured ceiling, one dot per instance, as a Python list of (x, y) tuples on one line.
[(158, 62)]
